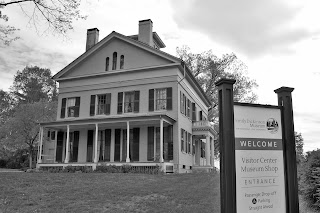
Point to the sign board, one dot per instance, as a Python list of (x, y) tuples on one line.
[(260, 185)]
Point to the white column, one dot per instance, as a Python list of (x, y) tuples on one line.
[(212, 151), (208, 150), (161, 140), (96, 145), (128, 141), (40, 145), (67, 146)]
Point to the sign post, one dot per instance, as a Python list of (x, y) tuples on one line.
[(257, 154)]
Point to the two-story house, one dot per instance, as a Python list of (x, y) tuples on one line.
[(124, 101)]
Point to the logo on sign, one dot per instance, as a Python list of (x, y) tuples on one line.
[(272, 125)]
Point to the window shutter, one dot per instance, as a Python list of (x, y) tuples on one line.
[(194, 112), (200, 116), (184, 105), (108, 103), (150, 152), (181, 103), (120, 100), (77, 107), (151, 100), (169, 98), (63, 108), (92, 105), (136, 101)]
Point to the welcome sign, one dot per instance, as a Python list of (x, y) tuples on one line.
[(259, 162)]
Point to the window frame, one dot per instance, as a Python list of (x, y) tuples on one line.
[(136, 102), (65, 111)]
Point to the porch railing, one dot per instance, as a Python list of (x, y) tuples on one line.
[(198, 124)]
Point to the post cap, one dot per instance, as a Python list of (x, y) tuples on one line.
[(225, 81), (284, 89)]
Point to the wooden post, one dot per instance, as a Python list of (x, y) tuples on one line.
[(285, 101), (227, 146)]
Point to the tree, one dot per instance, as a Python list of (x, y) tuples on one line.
[(6, 102), (208, 68), (33, 84), (22, 129), (299, 146), (56, 14)]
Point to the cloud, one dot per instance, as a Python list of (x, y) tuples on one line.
[(252, 27)]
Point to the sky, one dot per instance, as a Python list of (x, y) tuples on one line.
[(279, 41)]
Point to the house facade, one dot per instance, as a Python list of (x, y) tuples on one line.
[(124, 101)]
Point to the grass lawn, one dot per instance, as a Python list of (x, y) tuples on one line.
[(103, 192)]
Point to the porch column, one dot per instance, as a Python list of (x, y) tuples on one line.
[(128, 141), (212, 151), (161, 140), (96, 145), (67, 146), (40, 145), (208, 150)]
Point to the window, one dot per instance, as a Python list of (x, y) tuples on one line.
[(128, 102), (121, 61), (193, 147), (70, 106), (160, 99), (182, 140), (53, 135), (114, 61), (194, 112), (107, 63), (100, 104)]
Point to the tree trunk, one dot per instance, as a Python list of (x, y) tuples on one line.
[(30, 157)]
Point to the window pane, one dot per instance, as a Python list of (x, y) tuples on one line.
[(128, 101), (101, 104), (161, 99)]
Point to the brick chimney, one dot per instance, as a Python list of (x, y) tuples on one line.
[(145, 32), (92, 37)]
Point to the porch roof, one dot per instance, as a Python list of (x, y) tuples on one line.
[(132, 118)]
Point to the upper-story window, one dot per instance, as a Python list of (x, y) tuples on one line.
[(114, 61), (128, 102), (121, 61), (160, 99), (70, 107), (107, 63), (187, 107), (100, 104)]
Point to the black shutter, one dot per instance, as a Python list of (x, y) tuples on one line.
[(136, 101), (77, 107), (90, 146), (108, 103), (194, 112), (151, 100), (107, 144), (63, 108), (120, 100), (150, 154), (169, 98), (92, 105), (181, 102), (136, 139), (117, 135), (75, 146), (200, 116)]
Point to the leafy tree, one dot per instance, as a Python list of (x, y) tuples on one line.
[(22, 129), (208, 68), (33, 84), (57, 15), (6, 102), (299, 146)]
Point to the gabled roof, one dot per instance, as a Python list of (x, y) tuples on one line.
[(175, 61), (111, 36)]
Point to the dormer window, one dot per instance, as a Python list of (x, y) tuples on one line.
[(121, 61), (114, 61), (107, 63)]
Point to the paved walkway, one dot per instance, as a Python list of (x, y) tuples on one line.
[(9, 170)]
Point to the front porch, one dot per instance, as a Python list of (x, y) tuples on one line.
[(137, 141)]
